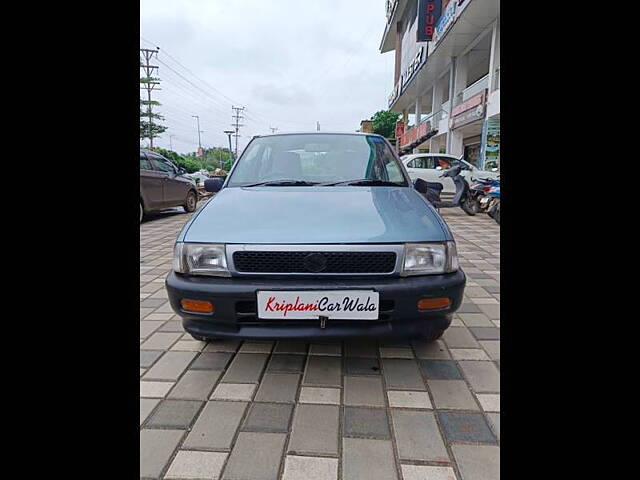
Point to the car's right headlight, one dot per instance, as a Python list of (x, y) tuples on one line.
[(429, 258), (200, 259)]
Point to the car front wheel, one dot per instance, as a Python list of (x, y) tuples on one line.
[(141, 212), (191, 202)]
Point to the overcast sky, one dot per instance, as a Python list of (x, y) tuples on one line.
[(289, 62)]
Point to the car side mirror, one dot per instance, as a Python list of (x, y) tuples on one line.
[(213, 185), (420, 185), (438, 167)]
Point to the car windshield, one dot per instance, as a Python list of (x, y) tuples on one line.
[(318, 159)]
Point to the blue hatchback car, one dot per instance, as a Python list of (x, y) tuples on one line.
[(316, 235)]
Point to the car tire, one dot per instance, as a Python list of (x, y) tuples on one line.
[(191, 202), (141, 212)]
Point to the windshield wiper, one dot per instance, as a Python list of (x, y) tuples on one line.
[(364, 182), (281, 183)]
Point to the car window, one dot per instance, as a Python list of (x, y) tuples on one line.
[(317, 158), (145, 164), (161, 164), (445, 162), (423, 162)]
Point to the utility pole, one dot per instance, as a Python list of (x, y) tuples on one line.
[(150, 84), (318, 126), (200, 151), (237, 125), (273, 129), (229, 132)]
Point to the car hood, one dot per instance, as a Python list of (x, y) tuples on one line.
[(308, 215)]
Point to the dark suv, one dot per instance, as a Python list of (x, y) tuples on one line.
[(163, 185)]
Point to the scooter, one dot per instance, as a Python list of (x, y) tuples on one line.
[(462, 199)]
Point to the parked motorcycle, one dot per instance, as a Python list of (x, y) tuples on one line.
[(493, 210), (479, 189), (462, 199)]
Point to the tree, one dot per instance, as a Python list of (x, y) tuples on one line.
[(384, 123)]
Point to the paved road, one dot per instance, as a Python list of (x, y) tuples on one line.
[(315, 411)]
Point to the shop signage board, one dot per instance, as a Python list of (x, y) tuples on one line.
[(470, 103), (428, 16), (469, 111), (416, 64), (490, 154), (445, 22)]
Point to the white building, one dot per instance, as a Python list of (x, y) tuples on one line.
[(448, 88)]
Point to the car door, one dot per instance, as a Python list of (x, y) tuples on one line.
[(174, 190), (442, 163), (151, 182)]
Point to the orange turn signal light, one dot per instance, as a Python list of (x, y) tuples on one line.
[(433, 303), (196, 306)]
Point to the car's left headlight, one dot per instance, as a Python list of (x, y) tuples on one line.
[(429, 258), (200, 259)]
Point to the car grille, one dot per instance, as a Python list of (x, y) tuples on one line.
[(314, 262)]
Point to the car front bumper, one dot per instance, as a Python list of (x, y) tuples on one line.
[(235, 306)]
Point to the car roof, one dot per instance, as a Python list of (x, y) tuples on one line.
[(414, 155)]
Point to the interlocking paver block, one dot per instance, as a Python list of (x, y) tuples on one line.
[(245, 368), (418, 437), (196, 465), (431, 350), (148, 327), (452, 395), (362, 366), (268, 417), (211, 361), (155, 389), (459, 337), (492, 347), (146, 407), (408, 399), (477, 462), (234, 391), (291, 346), (329, 396), (494, 420), (323, 371), (287, 363), (465, 427), (440, 369), (174, 414), (366, 391), (366, 459), (170, 366), (361, 348), (310, 468), (315, 430), (422, 472), (486, 333), (255, 456), (402, 374), (148, 357), (483, 376), (216, 426), (278, 388), (160, 341), (156, 447), (195, 385), (366, 422), (256, 347)]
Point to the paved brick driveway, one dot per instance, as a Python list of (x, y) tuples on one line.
[(345, 410)]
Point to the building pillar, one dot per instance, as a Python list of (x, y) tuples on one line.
[(460, 80), (398, 51), (418, 107), (494, 59)]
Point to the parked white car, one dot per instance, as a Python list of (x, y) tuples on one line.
[(429, 167)]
